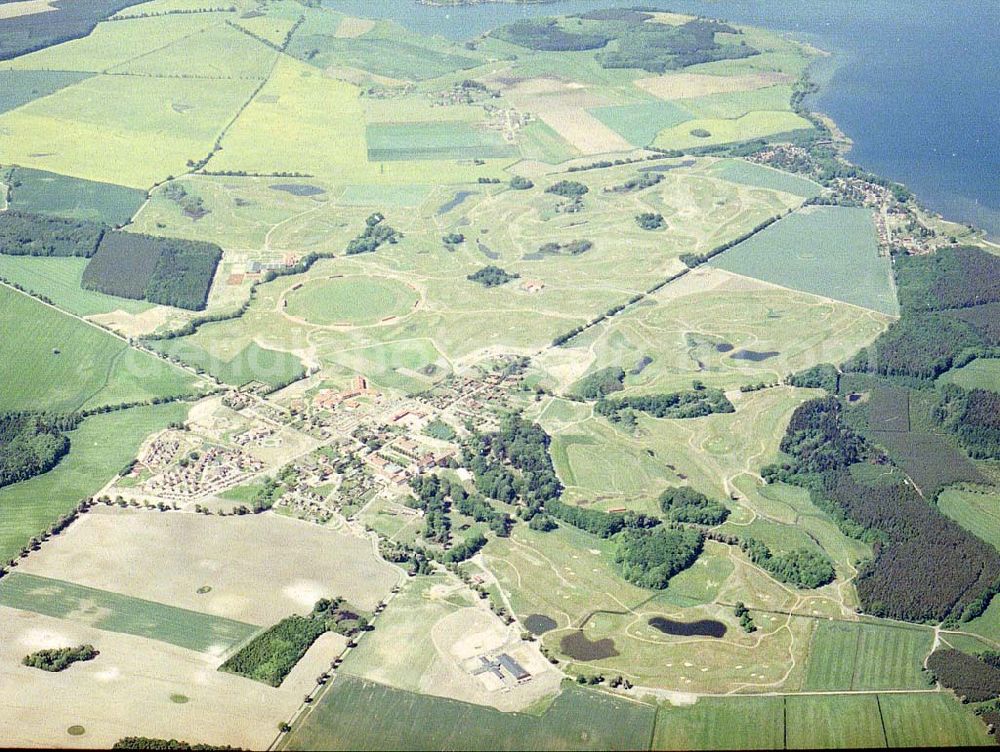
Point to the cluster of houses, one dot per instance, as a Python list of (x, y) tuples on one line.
[(210, 471)]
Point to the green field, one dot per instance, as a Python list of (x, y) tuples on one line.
[(128, 130), (757, 124), (976, 511), (826, 250), (735, 104), (62, 196), (722, 723), (252, 363), (930, 720), (834, 721), (113, 612), (759, 176), (639, 123), (357, 714), (20, 87), (350, 300), (58, 279), (853, 656), (434, 140), (91, 367), (99, 448), (982, 373)]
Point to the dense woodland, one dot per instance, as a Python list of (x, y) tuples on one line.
[(600, 383), (31, 444), (947, 315), (973, 416), (147, 742), (628, 39), (650, 557), (166, 271), (25, 234), (492, 276), (971, 678), (271, 655), (682, 504), (59, 659), (925, 567), (693, 403), (376, 233), (801, 567), (513, 465)]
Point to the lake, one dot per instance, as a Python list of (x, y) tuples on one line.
[(915, 84)]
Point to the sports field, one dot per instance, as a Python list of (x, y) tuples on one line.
[(117, 613), (826, 250), (99, 448), (65, 364), (350, 301), (356, 714)]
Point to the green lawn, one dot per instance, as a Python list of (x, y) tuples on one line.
[(60, 363), (357, 714), (114, 612), (58, 279), (99, 448), (722, 723), (853, 656), (825, 250)]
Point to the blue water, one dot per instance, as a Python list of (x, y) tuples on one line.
[(915, 83)]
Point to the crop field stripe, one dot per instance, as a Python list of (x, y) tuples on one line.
[(878, 704), (114, 612)]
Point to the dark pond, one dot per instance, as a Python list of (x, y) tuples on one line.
[(702, 628), (753, 355), (667, 167), (298, 189), (641, 364), (579, 648), (454, 201), (723, 347), (540, 624), (485, 250)]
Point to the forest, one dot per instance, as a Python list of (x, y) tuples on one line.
[(491, 276), (600, 383), (31, 444), (376, 233), (973, 417), (693, 403), (166, 271), (682, 504), (801, 567), (970, 677), (925, 566), (25, 234), (650, 557), (59, 659), (941, 324), (521, 446)]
